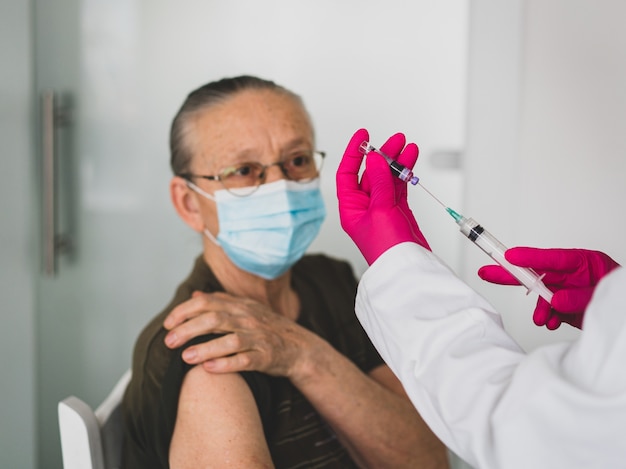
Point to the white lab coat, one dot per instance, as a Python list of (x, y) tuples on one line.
[(560, 406)]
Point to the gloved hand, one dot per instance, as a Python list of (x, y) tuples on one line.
[(572, 274), (375, 212)]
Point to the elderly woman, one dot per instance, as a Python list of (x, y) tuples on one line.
[(259, 360)]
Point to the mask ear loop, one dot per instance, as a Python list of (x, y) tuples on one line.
[(203, 193), (195, 188), (209, 235)]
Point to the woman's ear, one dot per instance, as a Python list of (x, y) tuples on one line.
[(186, 203)]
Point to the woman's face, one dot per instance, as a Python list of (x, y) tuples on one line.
[(261, 126)]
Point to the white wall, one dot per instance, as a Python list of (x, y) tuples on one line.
[(17, 259), (546, 126)]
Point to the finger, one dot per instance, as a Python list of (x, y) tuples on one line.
[(231, 364), (348, 170), (542, 312), (497, 274), (572, 300), (206, 323), (407, 158), (190, 318), (562, 260), (409, 155), (394, 145), (219, 347), (186, 310), (382, 193), (199, 303), (553, 322)]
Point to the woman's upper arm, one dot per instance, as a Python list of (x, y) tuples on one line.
[(217, 424)]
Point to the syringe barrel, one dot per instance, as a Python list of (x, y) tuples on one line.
[(495, 249), (400, 171)]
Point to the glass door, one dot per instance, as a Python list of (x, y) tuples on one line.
[(119, 70)]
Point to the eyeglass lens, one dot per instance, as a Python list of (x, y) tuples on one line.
[(297, 168)]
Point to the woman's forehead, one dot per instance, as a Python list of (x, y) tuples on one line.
[(254, 108), (250, 123)]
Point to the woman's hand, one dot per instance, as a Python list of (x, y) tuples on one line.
[(255, 338)]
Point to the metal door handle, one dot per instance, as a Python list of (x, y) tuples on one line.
[(53, 243)]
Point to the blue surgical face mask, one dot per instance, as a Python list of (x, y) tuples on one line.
[(265, 233)]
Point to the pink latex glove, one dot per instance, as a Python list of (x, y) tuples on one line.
[(375, 212), (572, 274)]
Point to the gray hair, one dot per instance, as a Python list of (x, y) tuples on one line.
[(204, 97)]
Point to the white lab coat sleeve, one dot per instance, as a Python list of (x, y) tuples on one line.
[(488, 401)]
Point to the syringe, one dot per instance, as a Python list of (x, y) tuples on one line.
[(474, 232)]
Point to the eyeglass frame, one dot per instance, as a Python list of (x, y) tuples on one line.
[(262, 175)]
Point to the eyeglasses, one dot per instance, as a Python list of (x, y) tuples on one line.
[(243, 179)]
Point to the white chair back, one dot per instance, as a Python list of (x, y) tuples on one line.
[(93, 440)]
